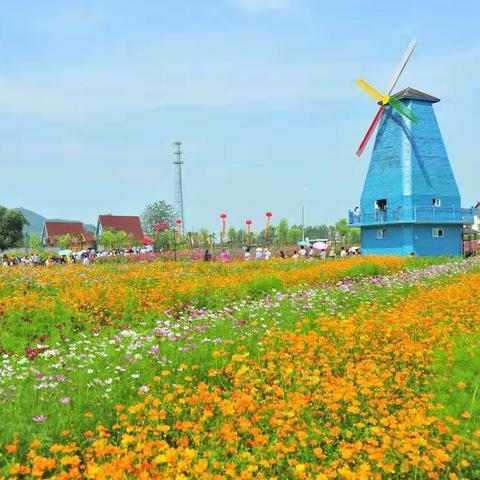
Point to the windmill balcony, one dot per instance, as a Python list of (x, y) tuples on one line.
[(459, 216)]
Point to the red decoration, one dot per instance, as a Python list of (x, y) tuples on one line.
[(267, 225), (248, 222), (178, 221), (147, 241), (223, 216)]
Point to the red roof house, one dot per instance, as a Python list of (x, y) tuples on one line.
[(54, 229), (124, 223)]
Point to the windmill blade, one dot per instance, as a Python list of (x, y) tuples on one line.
[(401, 66), (370, 130), (375, 94), (398, 105)]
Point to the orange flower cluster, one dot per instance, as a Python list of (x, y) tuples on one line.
[(103, 294), (338, 397)]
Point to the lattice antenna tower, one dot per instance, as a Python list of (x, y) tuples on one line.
[(178, 186)]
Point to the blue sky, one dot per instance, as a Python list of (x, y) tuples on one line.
[(261, 93)]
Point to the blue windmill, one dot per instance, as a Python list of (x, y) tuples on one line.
[(410, 201)]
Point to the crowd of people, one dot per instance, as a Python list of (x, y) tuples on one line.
[(265, 254), (303, 252), (89, 256), (85, 257)]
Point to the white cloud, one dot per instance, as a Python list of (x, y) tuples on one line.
[(258, 6)]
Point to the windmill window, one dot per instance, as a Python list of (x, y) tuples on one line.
[(437, 232), (437, 202), (381, 233), (381, 204)]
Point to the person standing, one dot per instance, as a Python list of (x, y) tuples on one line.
[(247, 256), (224, 256), (343, 253)]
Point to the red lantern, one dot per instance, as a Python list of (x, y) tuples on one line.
[(249, 233), (223, 216), (178, 221), (267, 225)]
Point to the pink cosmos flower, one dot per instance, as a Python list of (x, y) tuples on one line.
[(40, 418)]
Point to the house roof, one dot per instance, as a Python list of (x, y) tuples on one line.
[(413, 94), (125, 223), (88, 236), (55, 229), (477, 205)]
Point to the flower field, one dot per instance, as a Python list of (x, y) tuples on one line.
[(358, 368)]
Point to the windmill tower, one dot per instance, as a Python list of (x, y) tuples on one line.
[(410, 200), (178, 185)]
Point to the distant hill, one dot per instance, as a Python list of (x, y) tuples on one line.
[(36, 222)]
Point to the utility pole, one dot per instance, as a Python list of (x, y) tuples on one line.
[(303, 223), (178, 189)]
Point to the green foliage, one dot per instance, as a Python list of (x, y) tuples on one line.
[(232, 235), (282, 231), (205, 237), (458, 381), (422, 262), (294, 235), (35, 241), (158, 212), (261, 285), (64, 241), (112, 239), (165, 240), (316, 231), (11, 228), (341, 227), (366, 270)]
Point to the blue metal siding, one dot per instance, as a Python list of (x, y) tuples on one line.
[(391, 245), (409, 168), (427, 245), (409, 165)]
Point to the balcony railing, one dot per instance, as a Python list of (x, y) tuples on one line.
[(413, 215)]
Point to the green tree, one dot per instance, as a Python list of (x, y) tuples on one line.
[(35, 241), (11, 227), (316, 231), (342, 229), (282, 231), (63, 241), (232, 235), (294, 235), (165, 240), (158, 212), (205, 236), (354, 236), (110, 239)]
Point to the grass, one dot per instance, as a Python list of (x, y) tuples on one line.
[(108, 367), (458, 382)]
